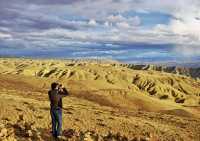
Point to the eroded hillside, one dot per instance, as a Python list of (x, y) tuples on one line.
[(108, 78), (104, 97), (189, 71)]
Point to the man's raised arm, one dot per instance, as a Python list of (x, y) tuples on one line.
[(64, 92)]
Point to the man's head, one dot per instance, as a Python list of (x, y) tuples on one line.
[(54, 85)]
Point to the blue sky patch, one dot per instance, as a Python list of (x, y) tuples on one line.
[(150, 19)]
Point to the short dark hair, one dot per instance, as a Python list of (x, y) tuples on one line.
[(54, 85)]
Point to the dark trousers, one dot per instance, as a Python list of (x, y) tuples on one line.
[(56, 117)]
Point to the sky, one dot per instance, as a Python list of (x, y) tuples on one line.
[(124, 30)]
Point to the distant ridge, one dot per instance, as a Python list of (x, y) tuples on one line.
[(74, 60), (187, 71)]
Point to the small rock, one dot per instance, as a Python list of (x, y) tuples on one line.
[(62, 138), (135, 139), (4, 132), (144, 139), (87, 137), (21, 117), (69, 133), (10, 139), (11, 131), (27, 126), (29, 133), (2, 126), (20, 125)]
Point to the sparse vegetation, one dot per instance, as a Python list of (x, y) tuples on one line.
[(180, 100), (164, 96)]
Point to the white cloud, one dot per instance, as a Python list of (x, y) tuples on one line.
[(187, 27), (107, 24), (115, 18), (5, 36), (124, 25), (135, 21), (92, 22)]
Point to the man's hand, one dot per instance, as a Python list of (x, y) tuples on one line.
[(63, 91)]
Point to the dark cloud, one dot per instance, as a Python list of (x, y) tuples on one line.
[(15, 15), (52, 2), (11, 45), (17, 21), (45, 23), (116, 0), (8, 3)]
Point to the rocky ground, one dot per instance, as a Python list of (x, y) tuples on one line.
[(25, 131)]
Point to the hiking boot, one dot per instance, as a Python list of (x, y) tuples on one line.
[(61, 138)]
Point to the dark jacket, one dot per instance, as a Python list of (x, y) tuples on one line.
[(55, 97)]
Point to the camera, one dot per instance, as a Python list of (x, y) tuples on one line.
[(60, 87)]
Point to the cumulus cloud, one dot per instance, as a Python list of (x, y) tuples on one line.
[(119, 18), (92, 22)]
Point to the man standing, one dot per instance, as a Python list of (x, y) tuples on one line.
[(55, 96)]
